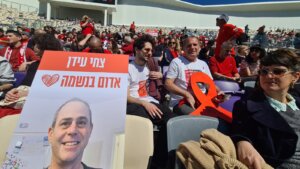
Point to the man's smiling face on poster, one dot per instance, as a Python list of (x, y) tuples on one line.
[(70, 132)]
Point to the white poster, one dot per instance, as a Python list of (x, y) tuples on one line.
[(75, 98)]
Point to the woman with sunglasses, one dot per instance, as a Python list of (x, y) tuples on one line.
[(170, 52), (266, 124), (249, 67)]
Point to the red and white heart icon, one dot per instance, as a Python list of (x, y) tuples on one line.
[(50, 80)]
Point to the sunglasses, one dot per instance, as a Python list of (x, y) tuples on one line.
[(276, 72)]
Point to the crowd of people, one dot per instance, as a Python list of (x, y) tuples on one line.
[(265, 126)]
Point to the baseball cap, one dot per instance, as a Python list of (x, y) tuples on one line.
[(225, 17)]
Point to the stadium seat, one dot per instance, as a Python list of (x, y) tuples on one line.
[(227, 85), (184, 128), (249, 84), (7, 127), (228, 105), (139, 144)]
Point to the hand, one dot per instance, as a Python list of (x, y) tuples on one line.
[(23, 67), (152, 109), (237, 79), (220, 98), (15, 94), (155, 75), (248, 155), (243, 65), (190, 99), (11, 95)]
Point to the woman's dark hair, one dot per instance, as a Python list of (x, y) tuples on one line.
[(262, 52), (47, 42), (282, 57), (115, 48)]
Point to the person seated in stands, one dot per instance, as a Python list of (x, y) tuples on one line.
[(169, 53), (42, 42), (223, 66), (3, 39), (242, 52), (25, 38), (140, 103), (127, 47), (266, 124), (249, 67), (179, 74), (37, 32), (95, 46), (6, 76), (18, 56), (207, 52), (112, 47)]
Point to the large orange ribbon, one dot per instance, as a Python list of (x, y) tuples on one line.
[(207, 107)]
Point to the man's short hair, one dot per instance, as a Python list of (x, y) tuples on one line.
[(69, 101), (189, 37), (16, 33)]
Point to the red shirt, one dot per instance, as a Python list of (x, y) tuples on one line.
[(132, 27), (127, 49), (88, 29), (225, 33), (4, 41), (61, 36), (16, 55), (225, 67)]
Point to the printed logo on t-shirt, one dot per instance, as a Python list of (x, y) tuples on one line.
[(188, 74), (142, 89)]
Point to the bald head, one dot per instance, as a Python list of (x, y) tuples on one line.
[(39, 32), (95, 43), (74, 100)]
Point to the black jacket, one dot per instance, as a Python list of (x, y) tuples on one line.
[(256, 121)]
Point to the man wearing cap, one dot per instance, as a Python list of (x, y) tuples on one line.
[(25, 38), (227, 32), (18, 56)]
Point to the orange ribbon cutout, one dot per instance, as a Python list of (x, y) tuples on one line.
[(207, 107)]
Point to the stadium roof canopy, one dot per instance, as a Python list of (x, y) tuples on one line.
[(234, 5)]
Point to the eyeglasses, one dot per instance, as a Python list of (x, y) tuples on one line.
[(276, 72), (172, 43)]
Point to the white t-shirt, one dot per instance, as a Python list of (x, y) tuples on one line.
[(138, 82), (181, 70)]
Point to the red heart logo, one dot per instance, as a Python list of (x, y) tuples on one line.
[(50, 80)]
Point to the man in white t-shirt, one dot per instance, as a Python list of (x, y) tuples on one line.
[(138, 100), (179, 73)]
